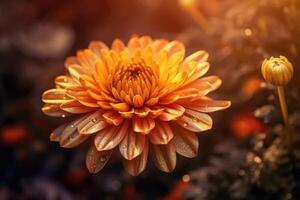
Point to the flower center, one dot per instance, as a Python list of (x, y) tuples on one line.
[(135, 78)]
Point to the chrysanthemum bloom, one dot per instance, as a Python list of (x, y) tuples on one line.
[(138, 98)]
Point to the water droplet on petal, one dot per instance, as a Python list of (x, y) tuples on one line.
[(63, 115), (94, 120), (103, 158), (185, 124)]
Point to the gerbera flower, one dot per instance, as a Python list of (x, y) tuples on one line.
[(140, 97)]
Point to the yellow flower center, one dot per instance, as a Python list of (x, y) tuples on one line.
[(134, 82)]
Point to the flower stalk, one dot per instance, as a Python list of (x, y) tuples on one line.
[(285, 115)]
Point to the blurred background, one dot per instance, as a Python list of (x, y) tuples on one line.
[(242, 157)]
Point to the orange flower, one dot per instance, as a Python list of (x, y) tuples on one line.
[(140, 97)]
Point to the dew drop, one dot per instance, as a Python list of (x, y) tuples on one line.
[(72, 126), (94, 120), (103, 158), (185, 124), (63, 115)]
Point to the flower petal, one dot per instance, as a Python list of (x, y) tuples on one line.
[(185, 142), (76, 71), (113, 117), (96, 47), (54, 111), (195, 121), (118, 45), (70, 136), (56, 134), (190, 91), (196, 72), (199, 56), (75, 107), (161, 134), (110, 137), (143, 125), (174, 47), (55, 96), (138, 164), (132, 145), (96, 160), (171, 112), (67, 83), (87, 60), (92, 124), (206, 104), (214, 81), (123, 107), (164, 156)]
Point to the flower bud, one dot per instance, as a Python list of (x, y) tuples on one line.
[(277, 71)]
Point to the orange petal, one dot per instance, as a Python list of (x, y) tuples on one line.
[(152, 101), (132, 145), (198, 71), (84, 98), (89, 83), (96, 160), (104, 105), (195, 121), (118, 45), (185, 142), (171, 112), (96, 47), (159, 44), (113, 117), (127, 114), (137, 165), (133, 44), (67, 83), (183, 93), (161, 134), (56, 134), (206, 104), (138, 101), (54, 111), (145, 41), (92, 124), (70, 136), (123, 107), (214, 81), (71, 60), (164, 156), (110, 137), (142, 112), (55, 96), (174, 47), (75, 107), (143, 125), (76, 72), (87, 60), (199, 56)]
